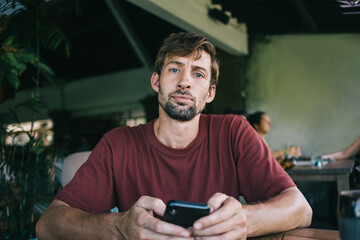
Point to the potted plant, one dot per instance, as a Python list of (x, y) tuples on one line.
[(28, 172)]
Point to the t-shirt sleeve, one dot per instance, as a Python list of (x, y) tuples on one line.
[(260, 176), (92, 188)]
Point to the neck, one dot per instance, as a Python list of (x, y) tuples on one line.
[(174, 133), (261, 134)]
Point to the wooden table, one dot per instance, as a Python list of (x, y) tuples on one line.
[(302, 234), (337, 171)]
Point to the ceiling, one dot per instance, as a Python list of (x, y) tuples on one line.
[(295, 16), (99, 45)]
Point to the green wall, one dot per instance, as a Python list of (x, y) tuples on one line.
[(310, 87)]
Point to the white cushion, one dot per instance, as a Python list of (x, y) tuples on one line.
[(71, 164)]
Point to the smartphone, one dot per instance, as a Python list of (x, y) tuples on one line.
[(185, 213)]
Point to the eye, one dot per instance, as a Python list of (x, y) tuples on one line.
[(174, 70), (198, 75)]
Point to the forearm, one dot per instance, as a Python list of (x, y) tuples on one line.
[(286, 211), (347, 153), (60, 221), (336, 155), (353, 149), (64, 222)]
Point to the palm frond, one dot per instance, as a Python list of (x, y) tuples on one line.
[(51, 37), (45, 69), (40, 207)]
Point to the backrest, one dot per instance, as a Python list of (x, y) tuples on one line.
[(71, 164)]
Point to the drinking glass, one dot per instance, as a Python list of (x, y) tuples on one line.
[(316, 160)]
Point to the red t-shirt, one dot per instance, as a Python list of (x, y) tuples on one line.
[(227, 156)]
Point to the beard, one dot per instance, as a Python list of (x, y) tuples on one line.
[(178, 111)]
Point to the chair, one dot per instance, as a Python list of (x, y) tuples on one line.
[(71, 164)]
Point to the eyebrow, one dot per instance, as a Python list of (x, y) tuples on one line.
[(182, 64), (201, 68), (176, 63)]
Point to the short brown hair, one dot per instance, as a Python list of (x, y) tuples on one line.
[(184, 44)]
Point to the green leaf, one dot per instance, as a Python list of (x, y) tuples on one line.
[(13, 80), (15, 65), (52, 37), (43, 68), (26, 57), (33, 96), (9, 40)]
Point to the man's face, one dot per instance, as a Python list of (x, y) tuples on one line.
[(184, 86)]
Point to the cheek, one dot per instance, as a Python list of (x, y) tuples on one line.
[(202, 88), (264, 126)]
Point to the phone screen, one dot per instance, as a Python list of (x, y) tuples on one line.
[(185, 213)]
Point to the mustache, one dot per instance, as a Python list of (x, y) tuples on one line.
[(181, 92)]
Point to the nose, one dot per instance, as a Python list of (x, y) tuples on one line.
[(184, 82)]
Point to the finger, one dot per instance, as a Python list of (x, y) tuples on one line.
[(149, 234), (216, 201), (161, 227), (235, 222), (230, 208), (152, 204)]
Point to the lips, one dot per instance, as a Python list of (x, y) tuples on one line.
[(182, 98)]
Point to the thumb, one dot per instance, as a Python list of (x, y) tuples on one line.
[(152, 204)]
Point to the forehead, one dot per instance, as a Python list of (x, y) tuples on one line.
[(192, 59)]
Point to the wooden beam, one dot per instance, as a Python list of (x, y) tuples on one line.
[(126, 26), (304, 14), (193, 16)]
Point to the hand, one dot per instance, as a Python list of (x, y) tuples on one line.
[(328, 156), (139, 223), (226, 221), (294, 151)]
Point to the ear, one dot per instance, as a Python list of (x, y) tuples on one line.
[(211, 94), (155, 79)]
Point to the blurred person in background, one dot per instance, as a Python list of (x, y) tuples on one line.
[(261, 122), (352, 151)]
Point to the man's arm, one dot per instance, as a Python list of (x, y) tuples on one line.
[(286, 211), (60, 221), (230, 219)]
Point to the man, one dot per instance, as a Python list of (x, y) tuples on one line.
[(182, 155), (261, 122)]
